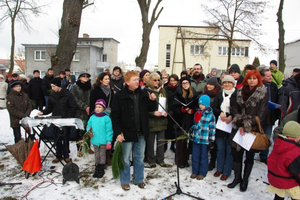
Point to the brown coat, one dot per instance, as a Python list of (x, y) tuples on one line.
[(18, 106), (245, 112)]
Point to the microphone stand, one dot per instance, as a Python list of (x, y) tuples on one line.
[(176, 126)]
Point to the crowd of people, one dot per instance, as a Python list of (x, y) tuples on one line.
[(127, 108)]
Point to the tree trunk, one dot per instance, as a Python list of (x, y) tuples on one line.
[(12, 48), (281, 37), (68, 35), (229, 53), (142, 58)]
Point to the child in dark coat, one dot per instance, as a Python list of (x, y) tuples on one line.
[(204, 130), (284, 163)]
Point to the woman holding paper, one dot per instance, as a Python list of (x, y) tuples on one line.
[(222, 106), (157, 123), (252, 100)]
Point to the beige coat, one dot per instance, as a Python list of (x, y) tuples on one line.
[(3, 90)]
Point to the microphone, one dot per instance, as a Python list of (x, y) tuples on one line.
[(148, 90)]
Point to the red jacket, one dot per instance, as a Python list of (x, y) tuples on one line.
[(284, 164)]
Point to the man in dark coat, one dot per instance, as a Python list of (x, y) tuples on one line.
[(272, 115), (68, 74), (46, 84), (18, 106), (61, 103), (129, 116), (35, 91)]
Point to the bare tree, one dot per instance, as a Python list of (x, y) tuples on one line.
[(236, 16), (147, 26), (281, 37), (68, 34), (18, 10)]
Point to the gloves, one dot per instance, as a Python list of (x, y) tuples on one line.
[(108, 146)]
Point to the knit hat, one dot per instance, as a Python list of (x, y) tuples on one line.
[(274, 62), (9, 75), (214, 69), (205, 100), (234, 68), (82, 73), (30, 76), (296, 70), (187, 78), (228, 78), (16, 83), (101, 102), (22, 76), (56, 81), (291, 129), (212, 81), (137, 69), (142, 74)]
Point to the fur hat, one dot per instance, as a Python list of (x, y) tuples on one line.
[(56, 81), (235, 68), (142, 74), (274, 62), (291, 129), (213, 81), (101, 102), (228, 78), (16, 83), (205, 100)]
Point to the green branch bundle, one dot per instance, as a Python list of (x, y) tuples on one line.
[(117, 160)]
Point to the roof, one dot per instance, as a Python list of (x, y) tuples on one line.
[(3, 67), (55, 45), (298, 40), (185, 26), (93, 39)]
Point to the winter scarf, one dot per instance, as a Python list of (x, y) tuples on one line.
[(84, 86), (246, 92), (198, 114), (105, 89), (211, 93), (226, 100), (112, 76), (98, 114), (198, 78)]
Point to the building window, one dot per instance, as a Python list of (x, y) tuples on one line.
[(40, 55), (76, 74), (168, 55), (197, 49), (241, 52), (104, 58), (42, 73), (76, 56)]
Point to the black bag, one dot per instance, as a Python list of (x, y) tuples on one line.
[(52, 132)]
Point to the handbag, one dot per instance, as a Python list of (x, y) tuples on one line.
[(262, 141)]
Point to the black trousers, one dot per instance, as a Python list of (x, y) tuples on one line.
[(17, 134), (39, 104), (238, 156), (63, 144)]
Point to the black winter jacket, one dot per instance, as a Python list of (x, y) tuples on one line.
[(35, 91), (123, 113), (97, 93), (46, 87), (61, 104)]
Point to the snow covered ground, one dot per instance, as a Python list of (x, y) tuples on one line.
[(159, 181)]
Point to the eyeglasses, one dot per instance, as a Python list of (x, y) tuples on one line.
[(184, 83), (156, 80)]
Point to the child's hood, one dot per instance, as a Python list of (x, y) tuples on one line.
[(283, 145)]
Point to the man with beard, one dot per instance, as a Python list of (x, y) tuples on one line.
[(198, 81), (46, 84)]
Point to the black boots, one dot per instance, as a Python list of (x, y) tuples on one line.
[(247, 172), (237, 168), (99, 171)]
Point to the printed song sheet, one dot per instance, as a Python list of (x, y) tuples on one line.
[(245, 141), (223, 126), (162, 101)]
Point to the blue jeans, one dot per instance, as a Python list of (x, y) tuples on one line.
[(199, 159), (268, 130), (46, 100), (224, 157), (138, 161)]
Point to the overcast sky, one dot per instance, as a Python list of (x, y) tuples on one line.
[(121, 20)]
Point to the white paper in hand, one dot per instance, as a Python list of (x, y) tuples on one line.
[(162, 101), (223, 126), (244, 141)]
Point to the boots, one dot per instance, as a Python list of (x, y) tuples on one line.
[(108, 157), (101, 171), (237, 168), (97, 171), (247, 172)]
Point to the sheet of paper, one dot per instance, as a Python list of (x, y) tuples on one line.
[(162, 101), (244, 141), (223, 126)]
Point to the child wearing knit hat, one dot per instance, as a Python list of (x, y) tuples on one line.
[(284, 163), (101, 135), (204, 130)]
